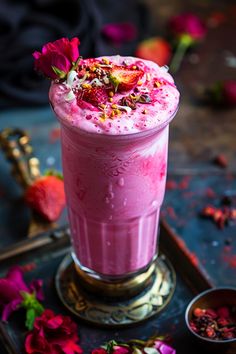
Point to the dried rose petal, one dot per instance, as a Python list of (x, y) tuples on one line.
[(163, 347)]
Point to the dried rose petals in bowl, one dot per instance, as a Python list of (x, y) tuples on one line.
[(211, 317)]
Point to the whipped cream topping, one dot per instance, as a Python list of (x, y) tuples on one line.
[(150, 103)]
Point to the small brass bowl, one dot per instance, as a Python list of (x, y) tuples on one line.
[(213, 298)]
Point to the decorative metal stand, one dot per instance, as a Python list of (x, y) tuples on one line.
[(107, 311)]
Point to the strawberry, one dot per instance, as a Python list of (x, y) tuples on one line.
[(124, 78), (93, 95), (47, 197), (155, 49)]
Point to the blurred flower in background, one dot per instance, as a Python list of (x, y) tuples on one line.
[(119, 33), (187, 29)]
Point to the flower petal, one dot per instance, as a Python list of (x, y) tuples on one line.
[(15, 275), (73, 49), (36, 285), (55, 322), (8, 291), (36, 343), (164, 348), (36, 55), (71, 347), (9, 308)]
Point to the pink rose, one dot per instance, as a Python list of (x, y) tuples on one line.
[(189, 24), (57, 58)]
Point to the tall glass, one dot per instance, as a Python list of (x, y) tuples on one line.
[(114, 187)]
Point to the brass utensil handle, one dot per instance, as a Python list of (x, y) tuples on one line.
[(15, 143)]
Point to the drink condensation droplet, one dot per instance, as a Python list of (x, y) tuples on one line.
[(121, 182)]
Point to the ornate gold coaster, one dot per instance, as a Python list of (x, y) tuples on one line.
[(107, 312)]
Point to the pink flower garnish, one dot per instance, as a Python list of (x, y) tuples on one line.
[(188, 29), (14, 293), (57, 58), (54, 334), (119, 33)]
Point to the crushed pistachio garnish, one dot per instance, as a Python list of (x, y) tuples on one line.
[(106, 61), (117, 111), (157, 84), (86, 86), (103, 117)]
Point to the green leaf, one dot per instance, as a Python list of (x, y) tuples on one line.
[(33, 308), (75, 64), (61, 74), (30, 317), (52, 172), (115, 82), (109, 346)]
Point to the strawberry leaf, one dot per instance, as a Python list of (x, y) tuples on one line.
[(52, 172)]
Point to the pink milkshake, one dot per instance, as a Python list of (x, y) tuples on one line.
[(115, 114)]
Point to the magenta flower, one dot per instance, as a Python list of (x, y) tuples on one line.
[(52, 333), (14, 293), (188, 29), (57, 58), (119, 33), (187, 23)]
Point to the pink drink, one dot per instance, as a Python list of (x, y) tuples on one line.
[(115, 170)]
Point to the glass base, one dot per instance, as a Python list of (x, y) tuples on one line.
[(127, 285), (105, 311)]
